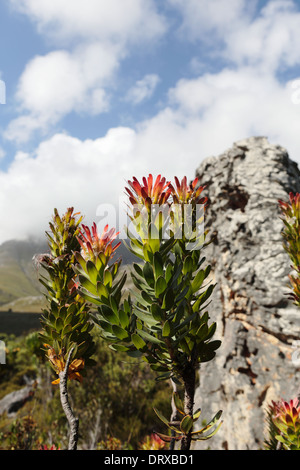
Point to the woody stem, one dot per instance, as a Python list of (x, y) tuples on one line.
[(64, 398)]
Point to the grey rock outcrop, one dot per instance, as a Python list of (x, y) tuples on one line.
[(259, 327)]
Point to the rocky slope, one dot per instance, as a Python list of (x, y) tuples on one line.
[(258, 326)]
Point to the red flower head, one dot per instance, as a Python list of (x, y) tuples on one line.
[(291, 208), (148, 193), (286, 418), (152, 442), (92, 244), (187, 193), (287, 413)]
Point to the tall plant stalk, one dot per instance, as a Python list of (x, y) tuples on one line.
[(66, 320)]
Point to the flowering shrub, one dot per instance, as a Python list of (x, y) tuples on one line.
[(66, 322), (286, 419), (45, 447), (152, 442), (166, 323), (291, 240)]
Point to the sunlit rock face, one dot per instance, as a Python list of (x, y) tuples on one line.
[(259, 359)]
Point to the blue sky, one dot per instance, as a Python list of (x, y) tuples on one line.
[(98, 91)]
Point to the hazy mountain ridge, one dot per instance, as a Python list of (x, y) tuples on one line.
[(20, 289)]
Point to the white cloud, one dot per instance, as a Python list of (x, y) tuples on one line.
[(60, 82), (63, 172), (241, 36), (143, 89), (97, 35), (270, 41), (202, 17), (114, 21), (205, 116)]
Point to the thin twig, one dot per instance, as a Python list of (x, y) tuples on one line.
[(64, 398)]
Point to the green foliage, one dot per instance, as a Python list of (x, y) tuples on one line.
[(283, 418), (271, 442), (66, 321), (117, 389), (184, 427), (285, 428), (166, 323), (291, 240)]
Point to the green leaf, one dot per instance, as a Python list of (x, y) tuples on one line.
[(107, 278), (124, 319), (138, 342), (85, 294), (186, 424), (86, 283), (198, 280), (67, 329), (211, 423), (178, 403), (109, 315), (102, 290), (117, 288), (214, 345), (159, 368), (149, 337), (211, 331), (168, 301), (143, 315), (184, 346), (167, 329), (157, 312), (187, 265), (92, 271), (81, 261), (281, 439), (148, 255), (119, 347), (202, 332), (158, 265), (146, 297), (154, 240), (148, 274), (126, 306), (138, 269), (114, 305), (207, 436), (166, 438), (59, 324), (168, 272), (119, 332), (203, 297), (188, 319), (197, 414), (166, 421), (160, 286)]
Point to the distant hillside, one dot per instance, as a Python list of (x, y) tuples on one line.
[(18, 276), (20, 290)]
